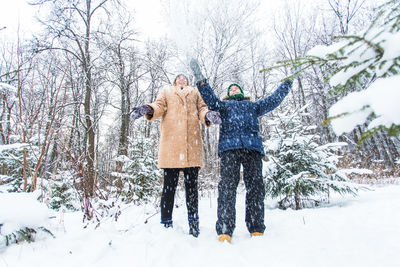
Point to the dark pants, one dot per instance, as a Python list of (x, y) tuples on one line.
[(255, 190), (171, 176)]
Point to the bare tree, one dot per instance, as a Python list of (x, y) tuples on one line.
[(345, 11), (49, 115), (156, 61), (123, 68), (72, 27)]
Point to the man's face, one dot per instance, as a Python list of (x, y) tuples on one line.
[(233, 90), (181, 81)]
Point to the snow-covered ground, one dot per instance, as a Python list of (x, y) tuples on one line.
[(362, 231)]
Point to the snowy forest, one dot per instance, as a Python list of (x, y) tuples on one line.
[(67, 93)]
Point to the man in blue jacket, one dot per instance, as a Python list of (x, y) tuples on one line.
[(240, 143)]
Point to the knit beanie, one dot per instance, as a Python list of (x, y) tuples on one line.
[(237, 95)]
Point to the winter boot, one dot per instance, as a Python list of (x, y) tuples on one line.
[(223, 238), (194, 229), (256, 234), (167, 223)]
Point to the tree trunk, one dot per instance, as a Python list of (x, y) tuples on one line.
[(297, 201), (90, 133), (124, 130), (90, 154)]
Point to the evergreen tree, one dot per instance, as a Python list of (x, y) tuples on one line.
[(139, 178), (12, 161), (59, 191), (299, 170), (368, 61)]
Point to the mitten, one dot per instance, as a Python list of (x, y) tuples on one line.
[(214, 117), (139, 111), (198, 76)]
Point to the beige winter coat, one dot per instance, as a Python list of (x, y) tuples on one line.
[(181, 111)]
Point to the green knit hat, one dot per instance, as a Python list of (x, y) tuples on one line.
[(237, 95)]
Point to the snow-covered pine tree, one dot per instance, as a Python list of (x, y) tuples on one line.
[(59, 192), (300, 171), (139, 176), (15, 228), (367, 65), (11, 162)]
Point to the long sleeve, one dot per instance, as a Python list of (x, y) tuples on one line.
[(212, 101), (273, 101), (159, 107), (203, 110)]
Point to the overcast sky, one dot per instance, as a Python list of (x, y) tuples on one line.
[(14, 13), (153, 18), (19, 17)]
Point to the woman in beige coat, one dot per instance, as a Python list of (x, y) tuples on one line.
[(181, 108)]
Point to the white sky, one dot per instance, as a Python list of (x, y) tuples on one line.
[(149, 16), (16, 14), (19, 16)]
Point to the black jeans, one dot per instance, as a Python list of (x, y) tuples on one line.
[(171, 176), (255, 190)]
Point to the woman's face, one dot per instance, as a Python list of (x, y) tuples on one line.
[(181, 81), (233, 90)]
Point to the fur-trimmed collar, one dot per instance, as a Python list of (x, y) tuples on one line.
[(226, 98)]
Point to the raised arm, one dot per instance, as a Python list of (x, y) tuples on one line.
[(212, 101), (273, 101)]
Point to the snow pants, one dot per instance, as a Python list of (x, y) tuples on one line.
[(231, 161), (171, 176)]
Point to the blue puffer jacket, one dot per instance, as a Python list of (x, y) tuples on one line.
[(239, 127)]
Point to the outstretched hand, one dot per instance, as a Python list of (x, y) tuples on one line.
[(194, 65), (139, 111), (214, 117)]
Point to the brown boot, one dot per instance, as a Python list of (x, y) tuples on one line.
[(223, 238), (256, 234)]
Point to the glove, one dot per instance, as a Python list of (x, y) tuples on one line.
[(198, 76), (214, 117), (139, 111)]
